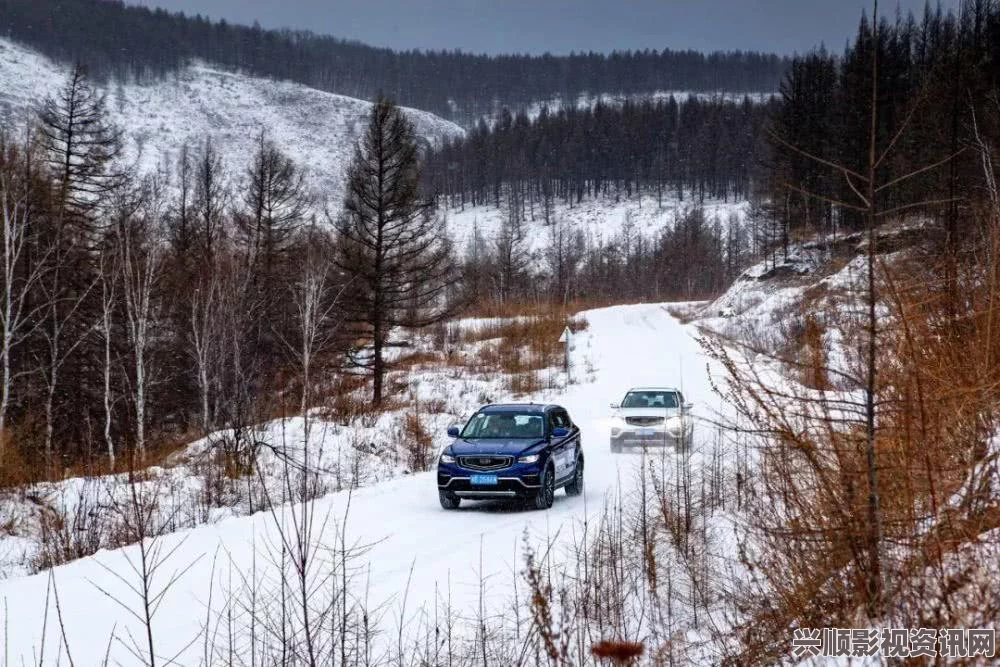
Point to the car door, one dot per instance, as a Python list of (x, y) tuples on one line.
[(564, 451), (557, 445)]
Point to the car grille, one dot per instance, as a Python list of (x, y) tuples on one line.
[(485, 462), (643, 421)]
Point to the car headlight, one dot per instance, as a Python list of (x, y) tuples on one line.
[(675, 427), (615, 431), (447, 458), (530, 458)]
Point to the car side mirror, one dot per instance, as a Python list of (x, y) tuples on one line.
[(560, 432), (615, 406), (688, 406), (453, 432)]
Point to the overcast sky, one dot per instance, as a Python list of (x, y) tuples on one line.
[(561, 26)]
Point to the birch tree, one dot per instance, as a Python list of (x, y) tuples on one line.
[(20, 277), (140, 272)]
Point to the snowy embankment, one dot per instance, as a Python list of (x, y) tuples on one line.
[(317, 129), (406, 555)]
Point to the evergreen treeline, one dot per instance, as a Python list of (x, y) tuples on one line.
[(698, 148), (933, 77), (129, 42)]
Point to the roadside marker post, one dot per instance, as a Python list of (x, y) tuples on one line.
[(565, 338)]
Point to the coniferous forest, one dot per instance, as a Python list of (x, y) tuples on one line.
[(693, 148), (127, 42)]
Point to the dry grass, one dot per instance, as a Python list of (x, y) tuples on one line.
[(520, 348), (418, 443), (938, 371), (21, 468), (419, 360)]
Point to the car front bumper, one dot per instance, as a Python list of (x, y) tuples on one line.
[(511, 482), (659, 438)]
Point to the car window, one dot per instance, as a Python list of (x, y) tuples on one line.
[(650, 399), (560, 419), (504, 425)]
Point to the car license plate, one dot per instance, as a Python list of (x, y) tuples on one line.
[(484, 480), (645, 432)]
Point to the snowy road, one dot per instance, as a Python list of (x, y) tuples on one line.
[(410, 538)]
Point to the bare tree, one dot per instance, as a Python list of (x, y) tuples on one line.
[(108, 272), (62, 333), (509, 251), (868, 184), (273, 206), (138, 242), (21, 276), (209, 200)]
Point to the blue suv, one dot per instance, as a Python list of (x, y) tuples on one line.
[(512, 451)]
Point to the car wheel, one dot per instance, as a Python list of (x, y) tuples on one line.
[(449, 501), (546, 495), (575, 487)]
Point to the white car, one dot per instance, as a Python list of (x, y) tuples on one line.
[(651, 417)]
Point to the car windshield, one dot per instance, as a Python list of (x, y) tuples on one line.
[(504, 425), (650, 399)]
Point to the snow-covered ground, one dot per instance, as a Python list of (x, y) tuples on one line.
[(600, 219), (316, 128), (415, 554)]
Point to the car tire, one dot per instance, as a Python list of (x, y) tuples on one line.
[(546, 495), (449, 501), (575, 487)]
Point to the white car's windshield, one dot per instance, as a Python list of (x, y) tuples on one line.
[(650, 399), (504, 425)]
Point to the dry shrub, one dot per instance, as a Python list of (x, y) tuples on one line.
[(415, 361), (418, 442), (618, 652), (435, 406), (525, 344), (523, 383), (18, 470)]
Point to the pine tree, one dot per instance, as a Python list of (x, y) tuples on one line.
[(390, 246), (80, 144)]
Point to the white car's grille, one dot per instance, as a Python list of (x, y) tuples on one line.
[(643, 421)]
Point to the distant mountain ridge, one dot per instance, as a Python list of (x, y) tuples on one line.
[(119, 41)]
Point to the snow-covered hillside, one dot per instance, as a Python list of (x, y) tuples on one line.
[(318, 129), (600, 219)]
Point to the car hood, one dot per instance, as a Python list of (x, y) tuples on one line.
[(648, 412), (462, 447)]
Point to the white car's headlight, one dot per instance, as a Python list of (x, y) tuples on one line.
[(675, 426), (447, 458), (530, 458)]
